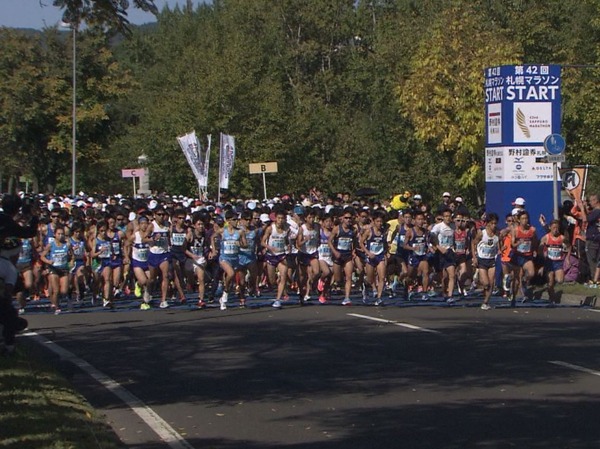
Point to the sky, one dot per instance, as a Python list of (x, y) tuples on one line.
[(38, 14)]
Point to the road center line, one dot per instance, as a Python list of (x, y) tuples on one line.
[(583, 369), (164, 431), (394, 323)]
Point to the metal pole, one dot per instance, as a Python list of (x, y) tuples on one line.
[(265, 185), (554, 188), (133, 177), (74, 130)]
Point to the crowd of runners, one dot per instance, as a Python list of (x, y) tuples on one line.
[(170, 249)]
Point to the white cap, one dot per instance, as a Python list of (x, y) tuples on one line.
[(328, 208), (519, 202), (515, 211), (185, 204), (251, 205), (265, 218), (80, 203), (132, 216), (307, 202), (458, 199), (446, 194), (152, 205), (417, 197)]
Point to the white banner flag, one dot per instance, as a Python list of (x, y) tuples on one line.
[(193, 153), (226, 159)]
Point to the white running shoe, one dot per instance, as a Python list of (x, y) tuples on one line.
[(277, 304), (485, 306), (347, 302), (164, 305)]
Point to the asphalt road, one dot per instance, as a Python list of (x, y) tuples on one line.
[(327, 377)]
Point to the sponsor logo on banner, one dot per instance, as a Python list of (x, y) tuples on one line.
[(198, 159), (532, 122), (494, 123), (516, 164)]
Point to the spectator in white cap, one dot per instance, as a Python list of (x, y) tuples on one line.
[(445, 204), (519, 203)]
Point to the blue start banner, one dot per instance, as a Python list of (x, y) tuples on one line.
[(522, 107)]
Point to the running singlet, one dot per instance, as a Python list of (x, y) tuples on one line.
[(160, 237), (445, 235), (197, 244), (487, 248), (376, 243), (419, 243), (554, 247), (460, 241), (104, 248), (26, 253), (59, 255), (324, 249), (139, 250), (311, 246), (177, 241), (344, 239), (230, 244), (250, 250), (525, 241), (78, 249), (278, 240), (116, 244)]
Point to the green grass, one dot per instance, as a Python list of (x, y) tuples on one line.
[(39, 409), (578, 289)]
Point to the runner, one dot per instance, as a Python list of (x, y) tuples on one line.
[(159, 257), (524, 243), (56, 255), (196, 250), (462, 251), (276, 242), (78, 271), (101, 253), (231, 238), (443, 242), (180, 235), (308, 254), (342, 244), (555, 247), (486, 246), (248, 254), (417, 243), (325, 259), (139, 259), (373, 242)]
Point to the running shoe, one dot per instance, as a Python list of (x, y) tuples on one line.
[(57, 310), (347, 302), (147, 296), (320, 285), (425, 297), (485, 306), (242, 302), (431, 293), (164, 305), (379, 302), (105, 302), (201, 304), (277, 304), (450, 300), (137, 291), (145, 306), (322, 299)]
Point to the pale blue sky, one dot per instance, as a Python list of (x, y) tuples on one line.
[(40, 13)]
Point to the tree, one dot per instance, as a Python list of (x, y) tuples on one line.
[(443, 94)]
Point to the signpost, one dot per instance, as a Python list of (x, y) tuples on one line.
[(555, 146), (263, 168), (133, 173)]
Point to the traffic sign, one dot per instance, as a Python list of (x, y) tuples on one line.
[(554, 144)]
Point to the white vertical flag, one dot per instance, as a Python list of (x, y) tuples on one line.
[(193, 153), (226, 159)]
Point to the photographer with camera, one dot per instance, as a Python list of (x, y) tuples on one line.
[(10, 234)]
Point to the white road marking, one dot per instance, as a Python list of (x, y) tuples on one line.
[(395, 323), (594, 310), (583, 369), (164, 431)]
